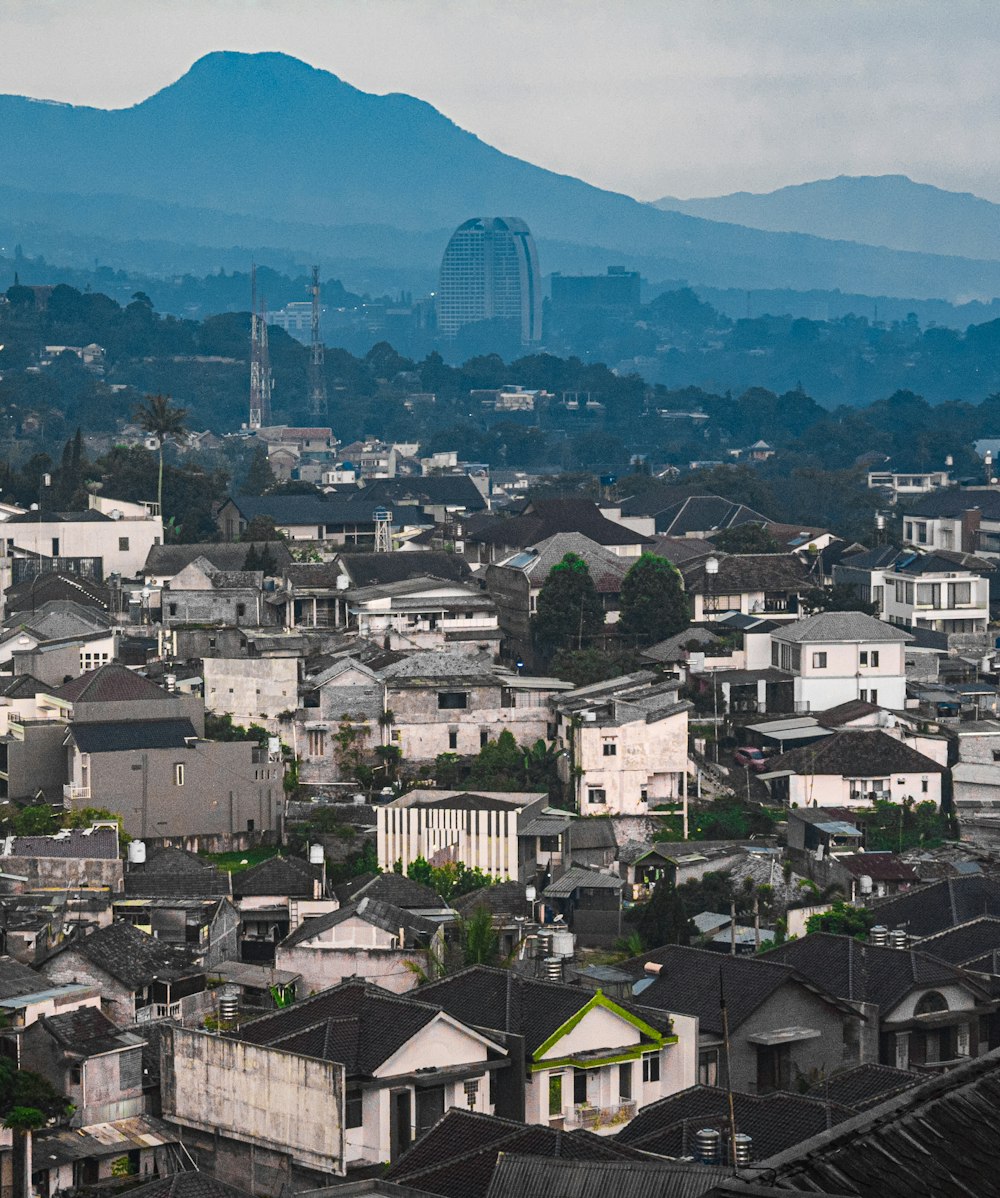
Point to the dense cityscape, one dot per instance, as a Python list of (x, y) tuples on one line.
[(499, 681)]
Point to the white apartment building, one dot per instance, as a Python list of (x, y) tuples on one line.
[(624, 744), (965, 519), (939, 591), (836, 657)]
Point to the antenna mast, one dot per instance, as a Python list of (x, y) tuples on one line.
[(260, 365), (317, 353)]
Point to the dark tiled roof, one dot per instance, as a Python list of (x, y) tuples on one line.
[(774, 1121), (21, 686), (845, 713), (548, 517), (594, 833), (224, 555), (33, 593), (681, 516), (690, 978), (457, 1157), (857, 753), (190, 1184), (76, 843), (937, 1140), (120, 737), (430, 490), (865, 1085), (110, 684), (836, 626), (132, 957), (682, 549), (373, 911), (507, 1002), (942, 905), (355, 1023), (743, 572), (86, 1031), (968, 942), (286, 876), (372, 569), (355, 507), (504, 899), (881, 867), (547, 1177), (864, 972), (393, 888), (17, 979), (953, 502), (177, 873)]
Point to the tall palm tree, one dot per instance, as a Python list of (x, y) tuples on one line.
[(158, 417)]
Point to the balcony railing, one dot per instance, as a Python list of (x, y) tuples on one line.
[(73, 793), (593, 1117), (158, 1010)]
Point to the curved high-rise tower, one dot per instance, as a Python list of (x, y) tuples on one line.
[(490, 272)]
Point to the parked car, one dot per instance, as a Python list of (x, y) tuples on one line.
[(751, 758)]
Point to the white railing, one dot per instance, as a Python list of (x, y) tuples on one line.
[(593, 1117), (158, 1010), (72, 792)]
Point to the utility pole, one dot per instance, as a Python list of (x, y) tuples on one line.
[(317, 354)]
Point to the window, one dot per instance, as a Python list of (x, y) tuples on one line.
[(873, 698), (241, 610), (928, 594), (625, 1082), (819, 661), (863, 657), (452, 700), (708, 1067), (959, 593), (579, 1086), (484, 737), (651, 1067), (172, 607), (179, 774), (76, 1075), (55, 546), (353, 1109), (596, 795), (548, 844), (130, 1070), (874, 659), (555, 1094), (453, 739), (123, 544), (317, 742), (610, 748)]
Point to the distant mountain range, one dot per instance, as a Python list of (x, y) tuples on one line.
[(264, 152), (889, 210)]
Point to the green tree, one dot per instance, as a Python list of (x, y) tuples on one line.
[(746, 538), (37, 820), (840, 597), (479, 939), (260, 477), (569, 610), (160, 418), (653, 603), (663, 919), (584, 666), (842, 920)]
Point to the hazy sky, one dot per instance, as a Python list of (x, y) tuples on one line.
[(650, 97)]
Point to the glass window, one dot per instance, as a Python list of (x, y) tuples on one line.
[(625, 1081), (819, 661), (863, 657), (178, 774), (579, 1086), (123, 544), (596, 795), (651, 1067), (452, 700), (353, 1107), (874, 659), (610, 748), (708, 1067), (452, 740), (555, 1094)]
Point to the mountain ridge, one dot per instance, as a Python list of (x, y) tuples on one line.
[(892, 210), (236, 134)]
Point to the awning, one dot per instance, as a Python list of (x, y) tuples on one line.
[(784, 1035), (100, 1140), (776, 774)]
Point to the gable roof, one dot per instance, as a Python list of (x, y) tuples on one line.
[(356, 1023), (33, 592), (865, 973), (739, 573), (277, 875), (457, 1157), (123, 736), (941, 905), (374, 569), (427, 490), (774, 1121), (380, 914), (87, 1032), (17, 979), (544, 518), (112, 683), (689, 983), (507, 1002), (936, 1139), (189, 1184), (393, 888), (967, 942), (579, 878), (845, 713), (865, 1085), (132, 957), (833, 626), (880, 867), (93, 843), (856, 753), (223, 555)]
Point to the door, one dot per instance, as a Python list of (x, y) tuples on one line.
[(430, 1108), (400, 1123)]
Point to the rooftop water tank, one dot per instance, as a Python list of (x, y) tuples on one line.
[(708, 1146), (136, 852), (316, 854)]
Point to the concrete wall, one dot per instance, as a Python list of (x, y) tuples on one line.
[(832, 790), (117, 1001), (123, 545), (421, 729), (261, 1096), (251, 690), (324, 967), (486, 840), (36, 760), (66, 873), (224, 789), (650, 757)]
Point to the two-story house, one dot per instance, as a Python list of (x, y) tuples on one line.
[(945, 591), (836, 657), (580, 1059), (966, 519), (624, 744), (752, 584)]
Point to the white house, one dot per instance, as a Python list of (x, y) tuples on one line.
[(253, 690), (752, 584), (946, 592), (839, 656), (624, 744), (966, 519), (854, 769), (425, 613), (899, 484), (480, 829)]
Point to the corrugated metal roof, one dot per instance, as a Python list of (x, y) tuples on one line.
[(557, 1177)]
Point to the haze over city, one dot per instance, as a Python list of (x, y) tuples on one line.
[(640, 96)]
